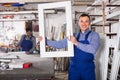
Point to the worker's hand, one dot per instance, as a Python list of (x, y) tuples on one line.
[(73, 40), (18, 47), (39, 38), (27, 52)]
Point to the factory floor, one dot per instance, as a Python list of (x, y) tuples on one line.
[(61, 75)]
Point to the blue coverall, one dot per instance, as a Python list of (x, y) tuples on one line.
[(26, 44), (82, 65)]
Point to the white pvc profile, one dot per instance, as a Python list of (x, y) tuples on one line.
[(41, 8)]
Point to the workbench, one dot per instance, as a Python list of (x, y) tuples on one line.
[(42, 69)]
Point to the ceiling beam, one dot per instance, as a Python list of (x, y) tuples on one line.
[(105, 5), (98, 25), (82, 3), (112, 20)]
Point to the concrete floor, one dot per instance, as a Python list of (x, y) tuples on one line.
[(61, 75)]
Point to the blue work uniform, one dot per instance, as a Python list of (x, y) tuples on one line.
[(82, 65), (26, 44)]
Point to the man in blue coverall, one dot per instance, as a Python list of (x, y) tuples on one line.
[(27, 42), (86, 44)]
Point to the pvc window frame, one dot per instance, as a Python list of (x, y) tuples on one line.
[(41, 8)]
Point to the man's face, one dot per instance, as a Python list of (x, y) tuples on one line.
[(84, 23), (28, 33)]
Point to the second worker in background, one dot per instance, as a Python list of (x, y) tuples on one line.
[(27, 42)]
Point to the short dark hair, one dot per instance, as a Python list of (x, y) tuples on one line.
[(28, 29), (83, 15)]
